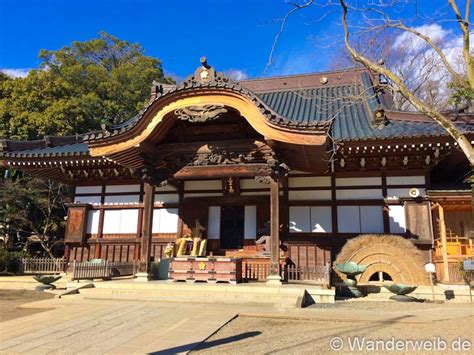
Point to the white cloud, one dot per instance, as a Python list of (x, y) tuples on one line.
[(435, 32), (16, 72), (422, 68), (236, 74)]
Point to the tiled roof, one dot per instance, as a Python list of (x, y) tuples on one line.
[(68, 150), (346, 102)]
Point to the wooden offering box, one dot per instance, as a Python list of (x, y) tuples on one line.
[(212, 269)]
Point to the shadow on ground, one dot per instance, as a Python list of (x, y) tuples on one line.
[(207, 344)]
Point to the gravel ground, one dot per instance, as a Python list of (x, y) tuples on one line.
[(245, 335), (385, 306), (9, 299)]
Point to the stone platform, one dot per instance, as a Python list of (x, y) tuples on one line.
[(286, 296)]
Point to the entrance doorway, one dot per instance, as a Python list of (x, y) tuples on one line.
[(232, 227)]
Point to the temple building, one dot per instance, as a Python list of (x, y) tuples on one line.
[(310, 161)]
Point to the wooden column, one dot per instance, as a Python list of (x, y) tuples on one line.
[(180, 209), (444, 243), (274, 276), (147, 226)]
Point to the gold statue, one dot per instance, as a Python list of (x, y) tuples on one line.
[(197, 238), (199, 244)]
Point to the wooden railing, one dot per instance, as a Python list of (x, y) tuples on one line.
[(320, 274), (103, 269), (290, 273), (43, 265), (255, 271)]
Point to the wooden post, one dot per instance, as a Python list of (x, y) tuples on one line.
[(180, 209), (444, 243), (274, 275), (147, 225)]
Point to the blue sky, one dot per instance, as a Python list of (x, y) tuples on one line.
[(233, 34)]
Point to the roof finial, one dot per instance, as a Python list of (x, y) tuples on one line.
[(205, 73), (204, 62)]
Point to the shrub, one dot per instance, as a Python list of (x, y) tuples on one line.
[(10, 261)]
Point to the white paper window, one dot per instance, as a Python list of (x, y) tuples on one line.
[(250, 224), (364, 181), (321, 219), (93, 222), (310, 195), (122, 200), (166, 198), (359, 194), (396, 215), (300, 219), (405, 180), (165, 220), (371, 219), (309, 181), (348, 220), (88, 189), (128, 221), (93, 200), (122, 188), (120, 221), (214, 222), (360, 219)]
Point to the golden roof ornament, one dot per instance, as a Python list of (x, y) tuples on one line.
[(205, 73)]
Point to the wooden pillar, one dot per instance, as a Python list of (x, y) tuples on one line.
[(444, 243), (386, 208), (147, 225), (100, 235), (274, 276), (180, 209)]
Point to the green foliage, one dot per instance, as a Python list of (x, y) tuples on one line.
[(10, 261), (462, 96), (77, 88)]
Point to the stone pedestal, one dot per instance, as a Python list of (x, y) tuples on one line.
[(143, 277)]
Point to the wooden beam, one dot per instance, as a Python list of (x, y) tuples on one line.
[(221, 171)]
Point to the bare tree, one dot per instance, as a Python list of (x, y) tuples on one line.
[(423, 63), (33, 213), (422, 72), (462, 82)]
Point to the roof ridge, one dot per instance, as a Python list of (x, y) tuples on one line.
[(305, 74), (327, 86)]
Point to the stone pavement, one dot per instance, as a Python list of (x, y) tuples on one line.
[(79, 326), (92, 327)]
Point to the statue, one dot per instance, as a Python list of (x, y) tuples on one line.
[(197, 238), (198, 243), (169, 250)]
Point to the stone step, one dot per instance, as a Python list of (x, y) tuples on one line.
[(195, 293)]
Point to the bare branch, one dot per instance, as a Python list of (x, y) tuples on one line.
[(446, 123), (282, 28)]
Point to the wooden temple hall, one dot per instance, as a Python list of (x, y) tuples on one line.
[(270, 172)]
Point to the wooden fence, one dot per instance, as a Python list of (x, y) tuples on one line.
[(255, 271), (43, 265), (320, 274), (290, 273), (103, 269)]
